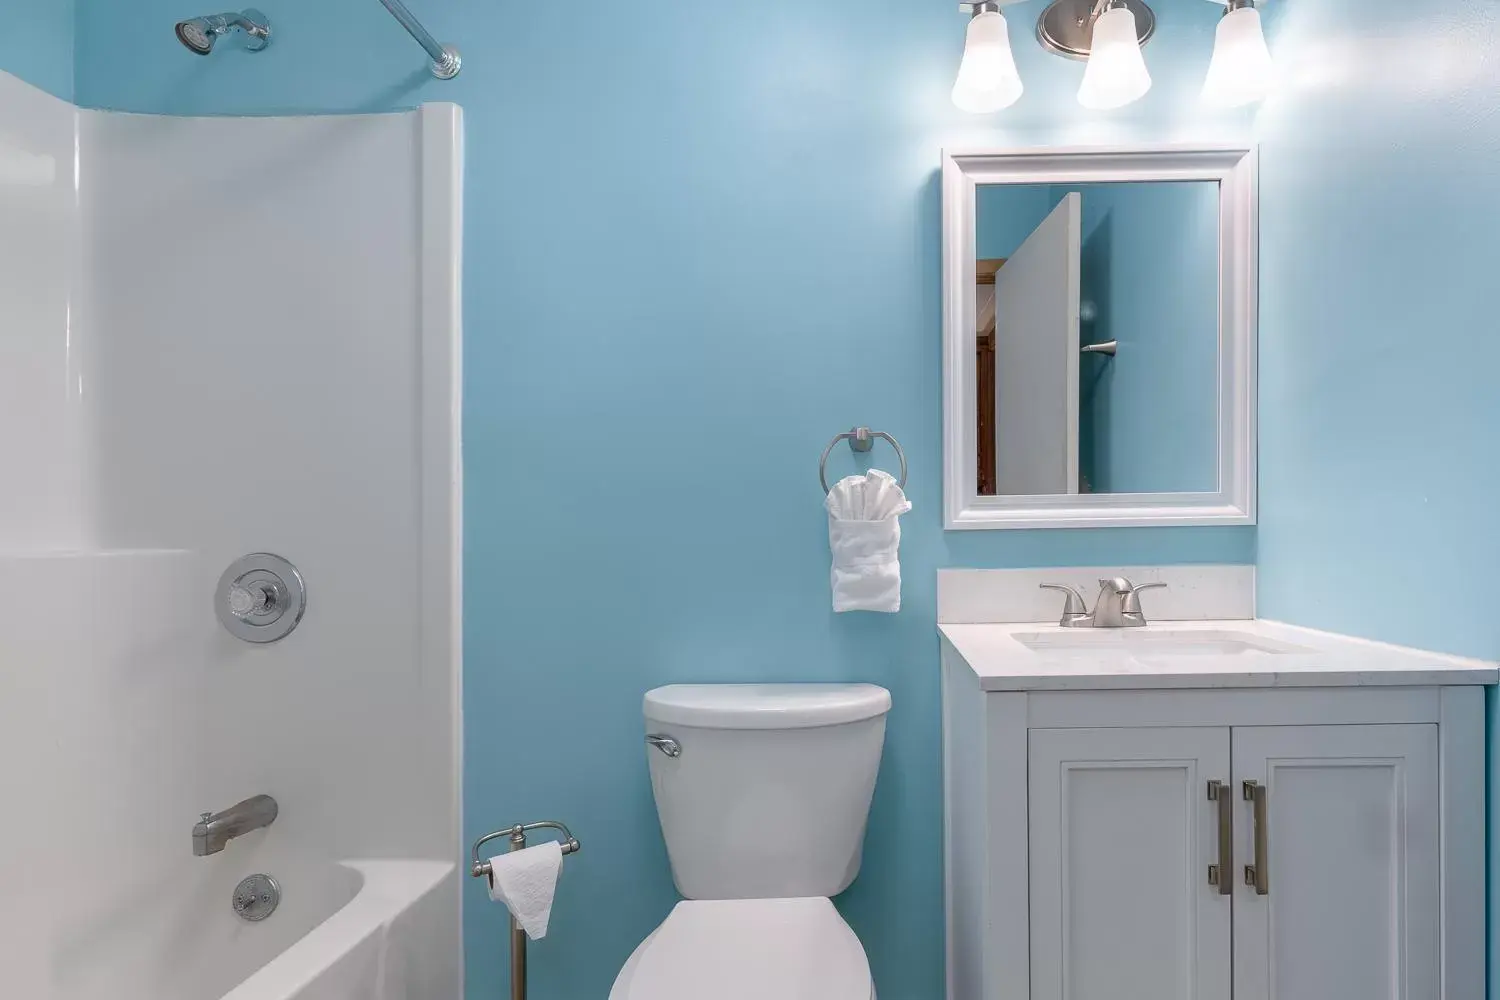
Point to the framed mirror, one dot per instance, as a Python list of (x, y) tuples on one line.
[(1099, 337)]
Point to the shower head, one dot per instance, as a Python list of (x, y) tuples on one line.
[(195, 34), (198, 34)]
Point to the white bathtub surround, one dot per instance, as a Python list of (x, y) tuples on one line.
[(864, 537), (222, 348), (41, 380), (1193, 592)]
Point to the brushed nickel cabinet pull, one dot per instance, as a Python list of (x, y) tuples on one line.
[(1220, 875), (1258, 874)]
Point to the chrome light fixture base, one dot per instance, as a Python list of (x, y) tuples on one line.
[(1066, 27)]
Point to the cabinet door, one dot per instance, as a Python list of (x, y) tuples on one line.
[(1122, 835), (1350, 908)]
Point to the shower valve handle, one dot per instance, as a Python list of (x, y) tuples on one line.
[(253, 600)]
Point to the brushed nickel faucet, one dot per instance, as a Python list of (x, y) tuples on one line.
[(1117, 606), (214, 830)]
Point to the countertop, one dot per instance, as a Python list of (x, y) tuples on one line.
[(1124, 659)]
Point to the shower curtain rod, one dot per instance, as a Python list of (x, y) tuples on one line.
[(445, 58)]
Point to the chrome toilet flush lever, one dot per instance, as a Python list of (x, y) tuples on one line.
[(665, 744), (1117, 606)]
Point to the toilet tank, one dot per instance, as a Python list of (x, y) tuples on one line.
[(770, 793)]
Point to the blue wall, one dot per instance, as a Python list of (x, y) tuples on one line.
[(1380, 223), (1380, 406), (1150, 267), (701, 239), (1005, 214), (36, 43)]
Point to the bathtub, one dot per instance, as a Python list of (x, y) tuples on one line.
[(352, 930), (381, 930)]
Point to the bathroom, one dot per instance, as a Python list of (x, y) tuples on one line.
[(657, 204)]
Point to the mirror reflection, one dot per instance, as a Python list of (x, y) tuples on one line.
[(1097, 337)]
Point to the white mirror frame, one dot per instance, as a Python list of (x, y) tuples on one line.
[(1234, 168)]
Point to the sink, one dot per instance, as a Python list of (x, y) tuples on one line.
[(1149, 641)]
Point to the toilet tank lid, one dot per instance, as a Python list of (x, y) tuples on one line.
[(765, 706)]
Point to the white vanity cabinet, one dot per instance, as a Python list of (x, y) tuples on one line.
[(1313, 831)]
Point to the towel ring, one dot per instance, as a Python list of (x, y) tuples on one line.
[(861, 439)]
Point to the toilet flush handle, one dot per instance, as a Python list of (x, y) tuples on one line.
[(665, 744)]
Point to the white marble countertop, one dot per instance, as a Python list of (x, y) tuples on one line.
[(1224, 654)]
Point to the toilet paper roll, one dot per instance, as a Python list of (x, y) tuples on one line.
[(525, 882)]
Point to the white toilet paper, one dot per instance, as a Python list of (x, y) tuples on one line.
[(525, 881)]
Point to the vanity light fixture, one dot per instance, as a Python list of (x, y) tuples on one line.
[(1241, 69), (987, 77), (1116, 73), (1109, 34)]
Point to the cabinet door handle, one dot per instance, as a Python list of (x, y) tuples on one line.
[(1258, 874), (1221, 875)]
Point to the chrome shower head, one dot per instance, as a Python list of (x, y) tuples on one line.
[(198, 34)]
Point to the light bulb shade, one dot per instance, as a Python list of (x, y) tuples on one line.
[(1241, 69), (1116, 73), (987, 77)]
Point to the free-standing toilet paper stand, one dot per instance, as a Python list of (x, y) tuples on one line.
[(481, 869)]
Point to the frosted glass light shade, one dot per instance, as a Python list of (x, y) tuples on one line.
[(1241, 69), (987, 77), (1116, 73)]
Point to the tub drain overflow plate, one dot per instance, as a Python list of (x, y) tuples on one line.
[(255, 898)]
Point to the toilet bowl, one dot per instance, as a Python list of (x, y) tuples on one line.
[(763, 792), (748, 949)]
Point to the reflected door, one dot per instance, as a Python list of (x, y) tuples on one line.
[(1036, 358)]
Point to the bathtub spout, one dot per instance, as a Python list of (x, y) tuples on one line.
[(214, 830)]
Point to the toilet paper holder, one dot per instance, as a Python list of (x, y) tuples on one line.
[(517, 835), (481, 869)]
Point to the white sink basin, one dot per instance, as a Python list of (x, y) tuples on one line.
[(1149, 641), (1231, 652)]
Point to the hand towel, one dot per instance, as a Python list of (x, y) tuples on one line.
[(524, 881), (864, 537)]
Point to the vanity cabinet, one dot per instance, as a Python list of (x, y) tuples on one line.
[(1276, 840), (1175, 862)]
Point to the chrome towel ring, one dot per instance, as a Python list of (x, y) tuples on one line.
[(861, 439)]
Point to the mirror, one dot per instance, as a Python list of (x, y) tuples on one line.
[(1098, 337)]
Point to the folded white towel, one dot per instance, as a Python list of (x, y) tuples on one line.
[(864, 535), (524, 881)]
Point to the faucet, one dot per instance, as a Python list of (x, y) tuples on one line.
[(214, 830), (1117, 606)]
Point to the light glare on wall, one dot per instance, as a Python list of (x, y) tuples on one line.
[(1241, 70), (987, 77)]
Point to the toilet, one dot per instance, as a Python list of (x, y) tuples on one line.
[(763, 791)]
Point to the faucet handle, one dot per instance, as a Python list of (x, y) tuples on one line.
[(1075, 612), (1132, 598)]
